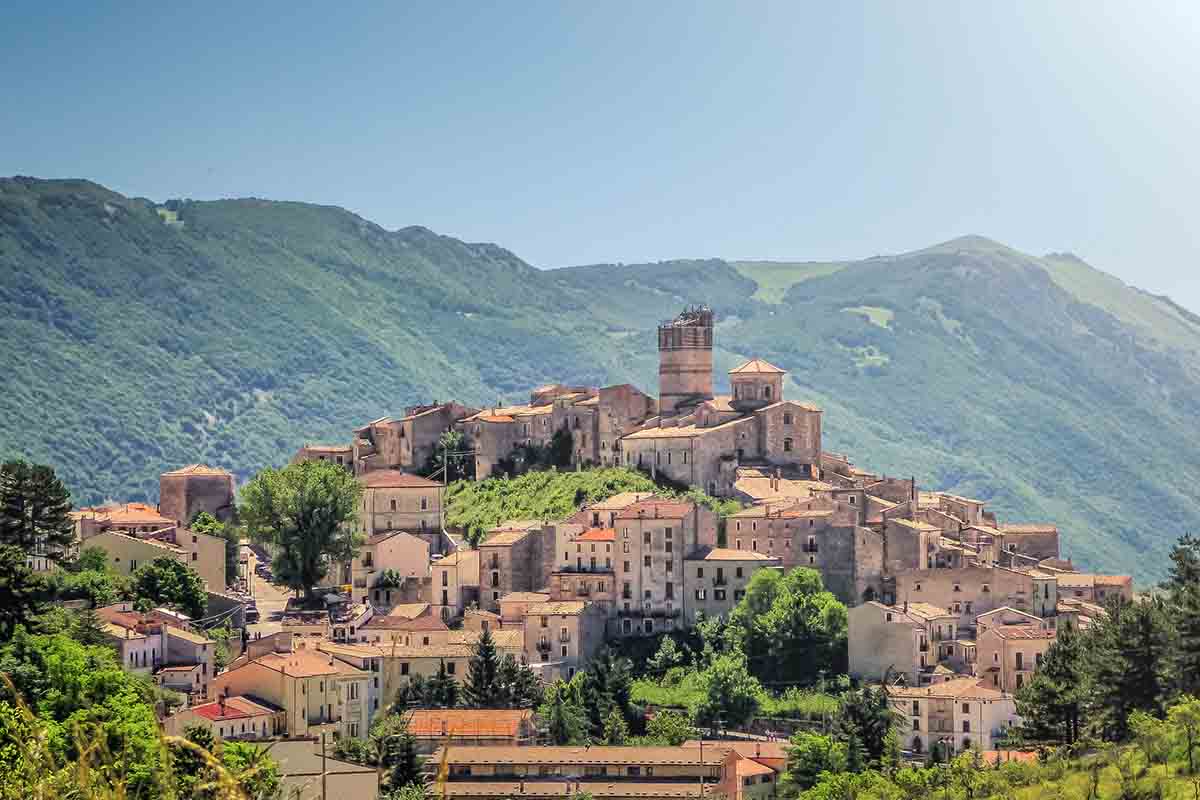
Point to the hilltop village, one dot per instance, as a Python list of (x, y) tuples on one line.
[(949, 606)]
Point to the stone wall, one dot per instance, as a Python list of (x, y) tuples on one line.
[(184, 495)]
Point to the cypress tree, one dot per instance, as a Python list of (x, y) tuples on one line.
[(481, 687), (1183, 590)]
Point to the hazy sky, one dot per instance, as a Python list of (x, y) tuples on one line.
[(575, 132)]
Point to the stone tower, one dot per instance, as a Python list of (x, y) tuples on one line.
[(184, 493), (685, 360)]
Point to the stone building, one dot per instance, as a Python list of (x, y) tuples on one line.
[(909, 640), (511, 560), (685, 362), (1009, 654), (715, 579), (389, 556), (399, 501), (959, 713), (408, 443), (340, 454), (455, 583), (183, 493), (561, 637)]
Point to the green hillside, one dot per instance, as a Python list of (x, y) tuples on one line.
[(133, 345)]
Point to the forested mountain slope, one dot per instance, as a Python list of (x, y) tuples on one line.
[(132, 345)]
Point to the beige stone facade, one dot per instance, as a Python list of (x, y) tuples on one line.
[(455, 583), (408, 443), (715, 579), (395, 553), (894, 641), (1009, 654), (560, 637), (397, 501), (959, 713)]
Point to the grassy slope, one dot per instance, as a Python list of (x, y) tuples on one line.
[(131, 346), (774, 278)]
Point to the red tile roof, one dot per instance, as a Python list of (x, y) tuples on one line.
[(238, 707), (197, 469), (597, 535), (656, 508), (1023, 632), (395, 479), (756, 366), (425, 623), (468, 722)]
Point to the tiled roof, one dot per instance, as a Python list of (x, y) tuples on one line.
[(304, 664), (1029, 528), (567, 607), (170, 548), (960, 688), (993, 757), (747, 767), (391, 623), (927, 610), (780, 511), (525, 597), (727, 554), (656, 508), (197, 469), (409, 610), (351, 650), (237, 707), (429, 651), (597, 535), (328, 448), (683, 431), (131, 514), (619, 501), (467, 722), (458, 558), (1112, 580), (395, 479), (1022, 632), (584, 756), (756, 366), (504, 538), (187, 636), (505, 638), (748, 749), (566, 789), (920, 526)]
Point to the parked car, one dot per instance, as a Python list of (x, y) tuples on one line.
[(252, 615)]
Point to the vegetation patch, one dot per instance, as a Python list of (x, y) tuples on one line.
[(881, 317)]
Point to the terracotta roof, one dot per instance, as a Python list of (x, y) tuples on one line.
[(423, 623), (504, 538), (619, 501), (458, 558), (516, 525), (584, 756), (756, 366), (131, 514), (727, 554), (597, 535), (304, 664), (1022, 632), (683, 431), (925, 610), (569, 789), (722, 403), (187, 636), (505, 638), (328, 448), (920, 526), (1007, 610), (198, 469), (395, 479), (525, 597), (165, 546), (180, 668), (567, 607), (962, 688), (236, 707), (781, 511), (409, 610), (1001, 756), (429, 651), (656, 508), (748, 749), (1112, 580), (747, 767), (351, 650), (467, 722)]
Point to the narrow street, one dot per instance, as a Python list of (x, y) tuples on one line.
[(270, 598)]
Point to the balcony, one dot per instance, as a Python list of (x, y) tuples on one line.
[(579, 569), (564, 636), (583, 591), (809, 548)]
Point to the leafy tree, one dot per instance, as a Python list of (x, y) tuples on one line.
[(713, 639), (1184, 716), (732, 694), (84, 626), (165, 581), (256, 772), (1130, 661), (452, 453), (563, 712), (221, 634), (35, 509), (668, 655), (669, 728), (1052, 704), (21, 591), (562, 444), (616, 730), (482, 687), (100, 587), (91, 559), (790, 627), (809, 756), (305, 511)]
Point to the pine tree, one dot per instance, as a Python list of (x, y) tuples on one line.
[(608, 685), (1052, 703), (397, 749), (442, 690), (616, 731), (564, 714), (481, 687), (35, 509), (21, 591), (1130, 667), (1183, 591)]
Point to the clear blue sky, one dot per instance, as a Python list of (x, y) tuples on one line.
[(576, 132)]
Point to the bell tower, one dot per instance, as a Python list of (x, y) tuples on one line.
[(685, 360)]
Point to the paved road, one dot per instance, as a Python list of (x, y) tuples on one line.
[(270, 599)]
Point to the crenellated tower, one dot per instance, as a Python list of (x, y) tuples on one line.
[(685, 360)]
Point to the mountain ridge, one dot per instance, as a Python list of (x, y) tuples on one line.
[(133, 345)]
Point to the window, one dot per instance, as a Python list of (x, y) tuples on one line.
[(787, 448), (670, 589), (668, 547), (424, 503), (194, 556), (451, 667), (966, 726), (739, 572), (754, 545), (646, 561), (916, 709), (646, 537), (545, 622), (648, 625), (625, 548), (403, 667), (889, 617), (445, 577), (699, 572), (393, 505), (787, 419), (495, 579), (1020, 661), (738, 544), (626, 566)]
